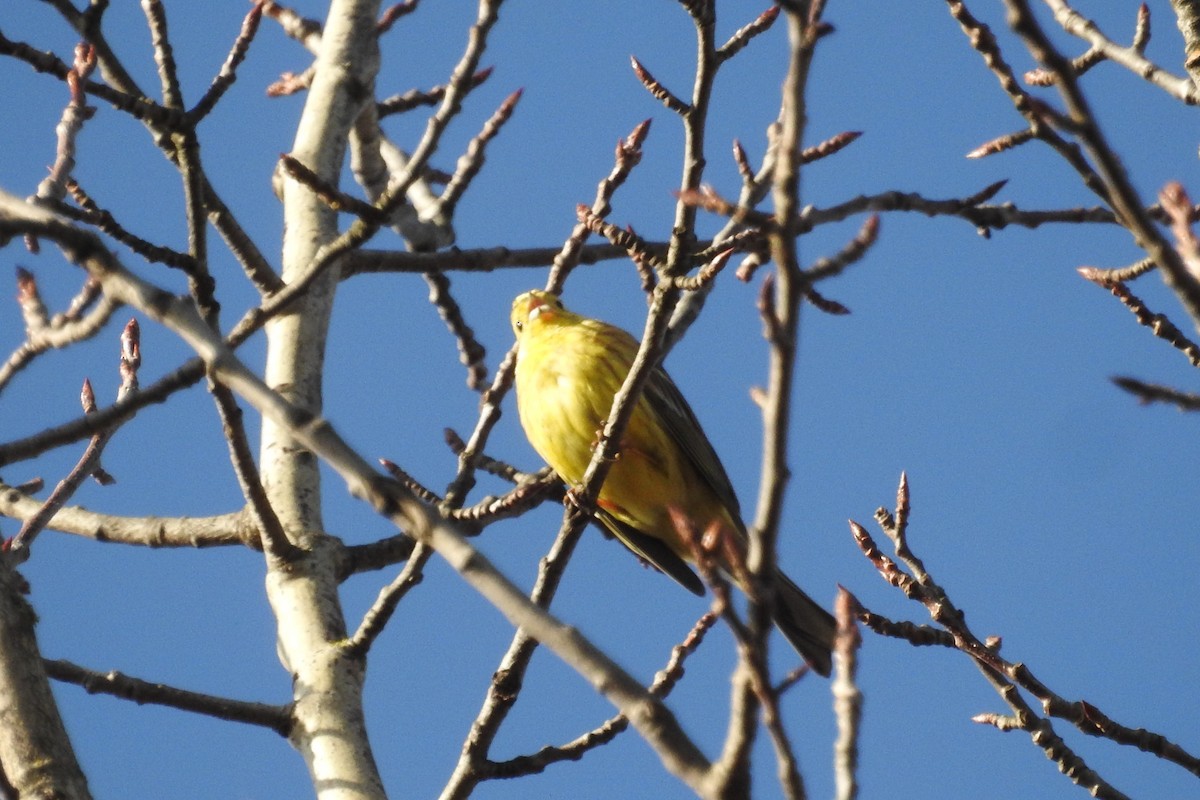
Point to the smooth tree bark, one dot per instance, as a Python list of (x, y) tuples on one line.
[(330, 727), (36, 757)]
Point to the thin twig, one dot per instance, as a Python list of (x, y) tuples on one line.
[(847, 697), (91, 212), (77, 112), (1132, 57), (117, 684), (493, 466), (802, 28), (1001, 143), (855, 249), (43, 333), (380, 613), (628, 154), (1148, 393), (329, 193), (1159, 324), (488, 259), (656, 89), (415, 98), (393, 13), (228, 72), (625, 238), (19, 547), (1118, 274), (744, 35), (706, 275), (834, 144), (664, 682), (472, 159), (416, 487), (526, 495), (164, 55), (275, 541)]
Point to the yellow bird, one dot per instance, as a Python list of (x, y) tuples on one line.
[(569, 368)]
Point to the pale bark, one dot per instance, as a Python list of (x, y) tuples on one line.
[(36, 758), (330, 730)]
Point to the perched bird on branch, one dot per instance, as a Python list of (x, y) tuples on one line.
[(666, 496)]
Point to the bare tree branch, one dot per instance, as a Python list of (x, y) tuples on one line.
[(1118, 189), (1156, 393), (236, 528), (228, 73), (18, 548), (664, 682), (43, 333), (847, 697), (917, 584), (35, 753), (1158, 324), (1130, 57), (276, 718)]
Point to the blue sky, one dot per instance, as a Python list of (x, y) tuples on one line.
[(1056, 511)]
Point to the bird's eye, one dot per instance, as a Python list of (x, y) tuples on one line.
[(519, 325)]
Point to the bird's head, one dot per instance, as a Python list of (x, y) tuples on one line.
[(535, 306)]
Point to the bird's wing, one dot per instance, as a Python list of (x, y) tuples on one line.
[(680, 423), (653, 551)]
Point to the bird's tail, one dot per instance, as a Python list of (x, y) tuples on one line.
[(808, 627)]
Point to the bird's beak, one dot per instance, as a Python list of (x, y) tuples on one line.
[(537, 307)]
